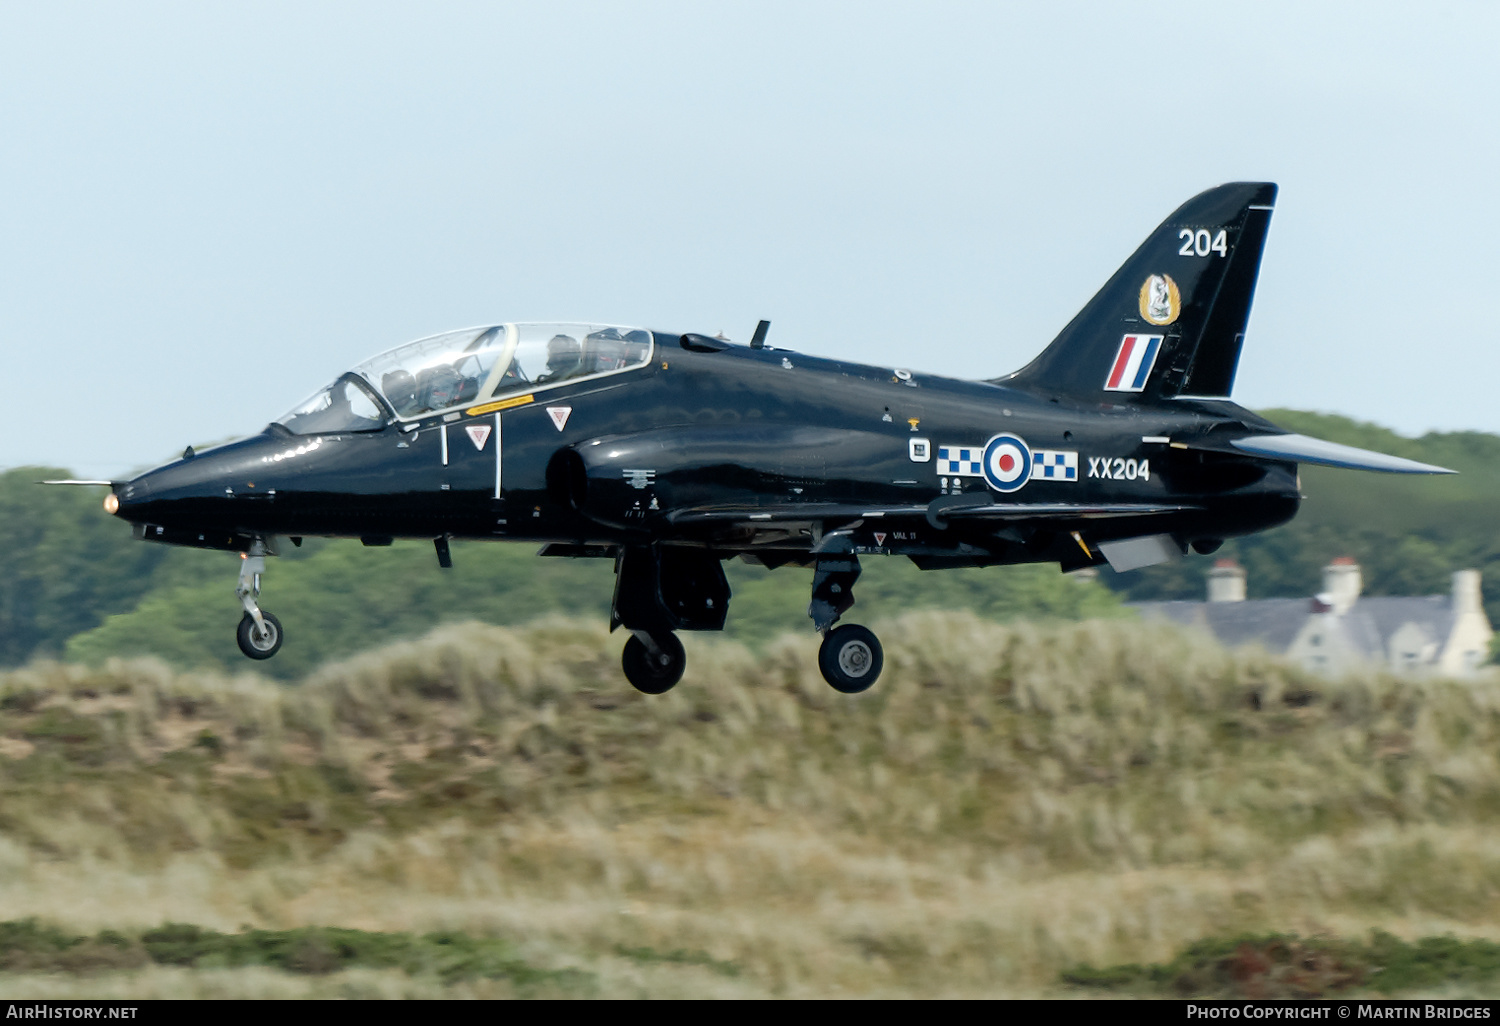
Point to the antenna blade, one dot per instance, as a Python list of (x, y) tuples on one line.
[(758, 340)]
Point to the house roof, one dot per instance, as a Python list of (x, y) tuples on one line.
[(1389, 613), (1274, 623)]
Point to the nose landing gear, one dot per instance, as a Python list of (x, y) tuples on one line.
[(259, 633)]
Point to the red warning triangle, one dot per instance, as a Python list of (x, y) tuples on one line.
[(879, 537), (478, 434), (559, 415)]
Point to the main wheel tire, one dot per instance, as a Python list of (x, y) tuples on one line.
[(654, 675), (255, 644), (851, 658)]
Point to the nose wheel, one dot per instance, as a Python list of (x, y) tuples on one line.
[(653, 662), (262, 640), (851, 658)]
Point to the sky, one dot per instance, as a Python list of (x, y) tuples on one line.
[(207, 211)]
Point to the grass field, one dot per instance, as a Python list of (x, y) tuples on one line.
[(1010, 804)]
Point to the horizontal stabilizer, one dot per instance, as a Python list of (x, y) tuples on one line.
[(71, 481), (1302, 449)]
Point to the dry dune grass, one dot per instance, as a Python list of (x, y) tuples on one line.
[(1010, 801)]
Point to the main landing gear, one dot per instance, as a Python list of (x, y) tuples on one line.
[(661, 589), (658, 590), (850, 657), (259, 633), (653, 663)]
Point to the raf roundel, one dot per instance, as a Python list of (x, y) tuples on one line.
[(1007, 463)]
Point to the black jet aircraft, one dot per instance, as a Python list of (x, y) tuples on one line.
[(670, 453)]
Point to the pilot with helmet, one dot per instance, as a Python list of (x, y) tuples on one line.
[(400, 388), (564, 359), (605, 350)]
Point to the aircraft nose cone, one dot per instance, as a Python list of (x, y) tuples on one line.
[(133, 492), (193, 491), (151, 495)]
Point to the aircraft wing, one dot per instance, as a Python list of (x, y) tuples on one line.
[(1302, 449), (791, 512), (801, 512), (1057, 510)]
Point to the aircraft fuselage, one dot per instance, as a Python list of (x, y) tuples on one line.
[(610, 461)]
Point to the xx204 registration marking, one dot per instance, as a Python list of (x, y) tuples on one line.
[(1117, 469)]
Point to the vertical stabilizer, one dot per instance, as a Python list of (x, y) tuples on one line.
[(1172, 319)]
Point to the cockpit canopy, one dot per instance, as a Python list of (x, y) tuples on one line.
[(461, 368)]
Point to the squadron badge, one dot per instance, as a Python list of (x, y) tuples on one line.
[(1161, 303)]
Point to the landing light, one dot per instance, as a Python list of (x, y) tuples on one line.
[(111, 504)]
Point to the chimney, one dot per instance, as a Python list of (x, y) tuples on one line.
[(1226, 582), (1466, 595), (1341, 584)]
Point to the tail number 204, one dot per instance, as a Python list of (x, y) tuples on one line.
[(1202, 243)]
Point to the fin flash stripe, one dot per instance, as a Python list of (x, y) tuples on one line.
[(1133, 363)]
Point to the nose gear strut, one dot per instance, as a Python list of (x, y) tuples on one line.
[(259, 633)]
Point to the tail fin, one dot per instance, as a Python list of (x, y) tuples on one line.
[(1172, 319)]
